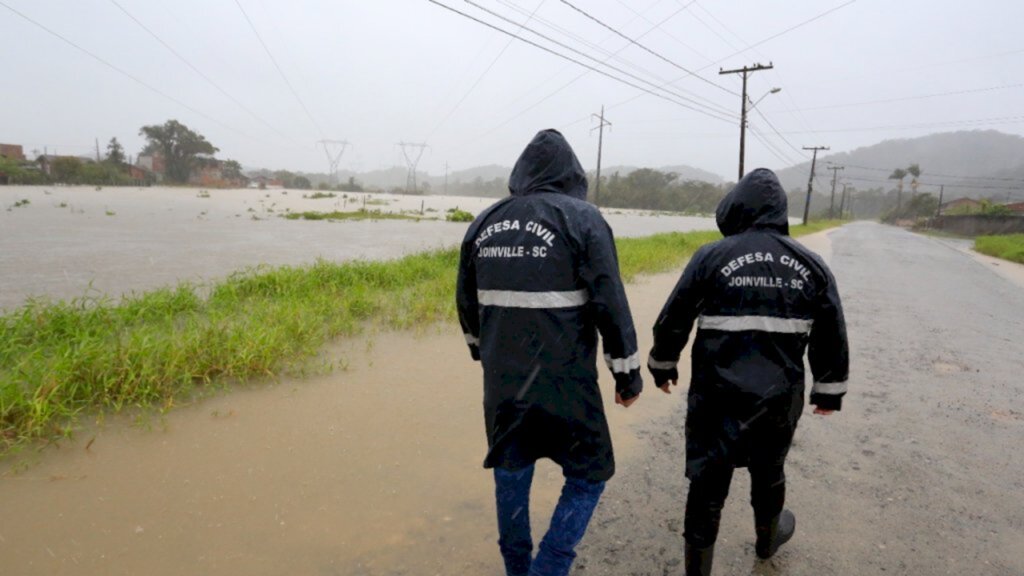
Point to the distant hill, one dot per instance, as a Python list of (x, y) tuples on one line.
[(973, 164)]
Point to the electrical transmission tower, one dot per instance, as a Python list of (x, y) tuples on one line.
[(411, 162), (334, 149)]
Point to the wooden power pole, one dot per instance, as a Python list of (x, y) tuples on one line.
[(745, 71), (831, 207), (600, 141), (810, 181)]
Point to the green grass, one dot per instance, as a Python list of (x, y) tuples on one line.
[(59, 360), (659, 253), (361, 214), (456, 215), (1008, 247)]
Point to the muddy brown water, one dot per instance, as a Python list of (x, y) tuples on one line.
[(71, 241), (372, 469)]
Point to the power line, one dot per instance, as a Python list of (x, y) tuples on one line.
[(710, 28), (752, 46), (708, 112), (614, 55), (575, 61), (480, 77), (279, 70), (786, 94), (682, 8), (125, 73), (595, 46), (646, 49), (786, 31), (779, 134), (194, 69), (574, 80), (771, 147)]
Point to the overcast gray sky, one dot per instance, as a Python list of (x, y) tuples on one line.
[(378, 72)]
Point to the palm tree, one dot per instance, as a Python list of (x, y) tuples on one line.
[(899, 174), (915, 171)]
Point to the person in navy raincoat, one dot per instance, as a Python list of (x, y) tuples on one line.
[(538, 281), (760, 299)]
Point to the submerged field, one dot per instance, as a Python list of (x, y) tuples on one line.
[(61, 359), (63, 242)]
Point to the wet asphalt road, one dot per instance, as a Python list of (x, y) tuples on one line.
[(921, 473)]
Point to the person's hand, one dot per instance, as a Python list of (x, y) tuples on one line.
[(822, 411), (666, 386), (625, 403)]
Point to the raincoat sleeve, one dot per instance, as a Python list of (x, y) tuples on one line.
[(599, 270), (466, 300), (828, 352), (672, 329)]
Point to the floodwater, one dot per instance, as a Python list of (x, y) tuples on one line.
[(70, 241), (374, 468)]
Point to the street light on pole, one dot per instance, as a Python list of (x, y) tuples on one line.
[(772, 91), (743, 124)]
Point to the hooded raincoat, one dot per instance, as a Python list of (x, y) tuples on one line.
[(538, 280), (760, 300)]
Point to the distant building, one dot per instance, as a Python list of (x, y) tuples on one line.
[(153, 164), (262, 182), (961, 206), (208, 173), (12, 152), (1016, 208)]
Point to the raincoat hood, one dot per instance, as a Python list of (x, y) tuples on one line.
[(756, 202), (548, 165)]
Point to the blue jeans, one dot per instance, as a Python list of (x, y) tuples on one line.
[(572, 514)]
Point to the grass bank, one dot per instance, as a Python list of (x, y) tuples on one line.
[(1008, 247), (60, 359)]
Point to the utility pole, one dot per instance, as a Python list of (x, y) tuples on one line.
[(835, 170), (810, 181), (745, 71), (938, 209), (97, 150), (842, 202), (410, 180), (333, 159), (600, 140)]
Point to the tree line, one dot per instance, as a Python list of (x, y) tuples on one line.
[(182, 149)]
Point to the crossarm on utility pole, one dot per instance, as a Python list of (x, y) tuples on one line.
[(746, 70)]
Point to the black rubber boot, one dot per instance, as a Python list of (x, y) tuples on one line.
[(776, 533), (698, 560)]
